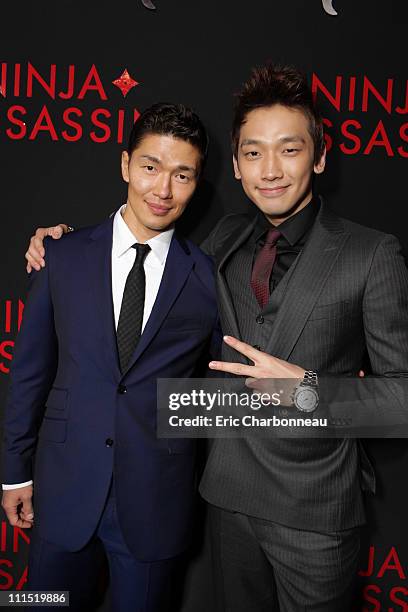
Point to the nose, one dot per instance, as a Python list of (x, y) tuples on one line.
[(271, 169), (162, 187)]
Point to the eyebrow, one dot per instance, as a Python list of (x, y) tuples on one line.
[(283, 139), (187, 169), (151, 158), (182, 167), (292, 139)]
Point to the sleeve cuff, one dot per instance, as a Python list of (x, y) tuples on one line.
[(6, 487)]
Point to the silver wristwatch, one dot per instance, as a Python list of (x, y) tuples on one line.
[(306, 396)]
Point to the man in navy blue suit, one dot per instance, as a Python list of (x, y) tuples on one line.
[(116, 307)]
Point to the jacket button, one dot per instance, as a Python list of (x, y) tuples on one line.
[(122, 389), (109, 442), (259, 319)]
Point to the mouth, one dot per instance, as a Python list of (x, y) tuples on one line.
[(272, 192), (158, 209)]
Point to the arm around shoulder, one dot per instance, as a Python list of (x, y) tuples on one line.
[(33, 370)]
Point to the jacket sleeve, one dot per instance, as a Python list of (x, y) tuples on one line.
[(216, 237), (378, 404), (32, 373), (385, 311), (208, 245)]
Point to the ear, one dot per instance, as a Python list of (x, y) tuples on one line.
[(237, 173), (125, 166), (321, 164)]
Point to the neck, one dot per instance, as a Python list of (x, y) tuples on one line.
[(139, 231), (278, 219)]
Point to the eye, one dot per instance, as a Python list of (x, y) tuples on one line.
[(252, 154), (183, 178), (149, 168), (291, 151)]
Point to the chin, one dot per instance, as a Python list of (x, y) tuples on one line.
[(275, 211), (280, 210), (160, 226)]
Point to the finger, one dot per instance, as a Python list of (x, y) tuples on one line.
[(11, 513), (42, 232), (15, 514), (264, 385), (33, 263), (242, 347), (37, 247), (56, 232), (256, 384), (27, 518), (232, 368), (19, 522), (36, 252), (27, 510), (28, 267)]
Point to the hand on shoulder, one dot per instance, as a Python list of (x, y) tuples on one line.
[(35, 254)]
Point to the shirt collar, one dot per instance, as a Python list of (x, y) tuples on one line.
[(123, 239), (294, 227)]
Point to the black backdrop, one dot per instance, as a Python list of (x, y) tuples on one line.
[(60, 154)]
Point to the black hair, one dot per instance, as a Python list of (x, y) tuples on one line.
[(286, 85), (174, 120)]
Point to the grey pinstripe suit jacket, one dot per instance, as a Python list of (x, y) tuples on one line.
[(346, 297)]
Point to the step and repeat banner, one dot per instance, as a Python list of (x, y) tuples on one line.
[(74, 77)]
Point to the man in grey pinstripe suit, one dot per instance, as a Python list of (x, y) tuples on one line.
[(287, 512)]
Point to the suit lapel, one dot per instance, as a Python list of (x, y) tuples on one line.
[(99, 262), (226, 305), (307, 280), (178, 266)]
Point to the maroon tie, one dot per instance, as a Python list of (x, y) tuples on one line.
[(263, 266)]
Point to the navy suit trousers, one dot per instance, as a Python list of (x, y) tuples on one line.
[(135, 586)]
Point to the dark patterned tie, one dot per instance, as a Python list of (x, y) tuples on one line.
[(131, 311), (262, 270)]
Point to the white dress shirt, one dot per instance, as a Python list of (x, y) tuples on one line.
[(123, 258)]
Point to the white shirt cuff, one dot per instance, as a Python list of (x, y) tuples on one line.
[(6, 487)]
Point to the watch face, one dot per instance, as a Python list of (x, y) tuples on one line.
[(306, 399)]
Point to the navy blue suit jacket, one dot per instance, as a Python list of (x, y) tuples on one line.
[(67, 397)]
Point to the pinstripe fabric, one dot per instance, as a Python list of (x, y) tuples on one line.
[(266, 566), (346, 298)]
